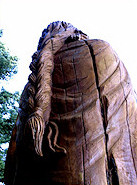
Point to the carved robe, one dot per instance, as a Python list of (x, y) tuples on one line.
[(94, 108)]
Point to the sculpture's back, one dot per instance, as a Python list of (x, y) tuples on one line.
[(77, 117)]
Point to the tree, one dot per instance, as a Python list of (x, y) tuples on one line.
[(8, 101), (8, 63)]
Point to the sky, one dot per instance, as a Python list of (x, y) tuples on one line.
[(23, 21), (114, 21)]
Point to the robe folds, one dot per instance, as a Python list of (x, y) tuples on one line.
[(94, 108)]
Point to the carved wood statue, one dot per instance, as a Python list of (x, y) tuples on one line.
[(77, 121)]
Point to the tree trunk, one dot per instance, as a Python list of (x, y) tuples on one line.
[(94, 108)]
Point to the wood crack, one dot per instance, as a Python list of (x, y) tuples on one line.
[(103, 104), (83, 124)]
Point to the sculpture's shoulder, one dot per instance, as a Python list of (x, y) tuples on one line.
[(99, 42), (104, 57), (99, 46)]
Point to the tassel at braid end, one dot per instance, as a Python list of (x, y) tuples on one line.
[(37, 126)]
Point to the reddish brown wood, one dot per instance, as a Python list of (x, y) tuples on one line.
[(94, 106)]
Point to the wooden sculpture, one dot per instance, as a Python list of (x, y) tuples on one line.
[(77, 115)]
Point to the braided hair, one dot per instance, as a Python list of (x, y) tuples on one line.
[(36, 97)]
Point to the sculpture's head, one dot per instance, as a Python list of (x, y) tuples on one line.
[(36, 97), (62, 30)]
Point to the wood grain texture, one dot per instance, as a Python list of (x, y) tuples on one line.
[(94, 107)]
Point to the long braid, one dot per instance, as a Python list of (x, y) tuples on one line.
[(39, 86)]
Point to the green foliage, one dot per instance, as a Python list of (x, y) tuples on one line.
[(8, 113), (8, 101), (2, 159), (1, 32), (8, 63)]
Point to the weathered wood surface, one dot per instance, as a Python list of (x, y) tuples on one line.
[(94, 107)]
